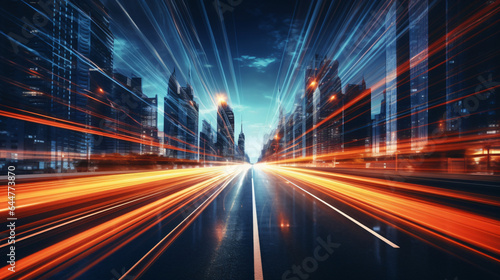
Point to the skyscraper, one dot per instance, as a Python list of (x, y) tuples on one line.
[(241, 145), (329, 130), (69, 59), (225, 131), (322, 98), (149, 124), (357, 118), (298, 128), (192, 115), (472, 70), (379, 130), (207, 147), (418, 19), (435, 74), (398, 106), (136, 117), (289, 148), (310, 96), (181, 121)]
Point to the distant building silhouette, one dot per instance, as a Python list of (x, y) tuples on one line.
[(357, 117), (225, 131), (181, 121), (52, 64), (241, 145), (207, 145)]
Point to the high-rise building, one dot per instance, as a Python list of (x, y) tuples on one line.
[(298, 128), (398, 105), (379, 130), (207, 147), (62, 70), (289, 140), (149, 123), (135, 116), (127, 115), (25, 84), (181, 121), (225, 131), (418, 20), (192, 116), (472, 70), (241, 145), (357, 118), (280, 136), (323, 97), (435, 74), (311, 96), (329, 129)]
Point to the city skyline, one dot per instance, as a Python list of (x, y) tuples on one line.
[(228, 58)]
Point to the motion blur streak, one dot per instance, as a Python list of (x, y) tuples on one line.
[(157, 197), (147, 260), (418, 214)]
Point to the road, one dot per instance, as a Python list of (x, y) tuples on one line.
[(255, 222)]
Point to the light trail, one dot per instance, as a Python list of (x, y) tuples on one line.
[(141, 200), (419, 216), (75, 127), (387, 241), (152, 255)]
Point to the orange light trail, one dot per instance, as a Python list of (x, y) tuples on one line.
[(419, 216), (166, 193)]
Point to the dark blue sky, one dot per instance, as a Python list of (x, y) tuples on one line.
[(250, 52)]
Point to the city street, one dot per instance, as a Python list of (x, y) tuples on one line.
[(200, 224), (238, 139)]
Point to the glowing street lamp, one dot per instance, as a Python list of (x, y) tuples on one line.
[(100, 90), (313, 83), (332, 97)]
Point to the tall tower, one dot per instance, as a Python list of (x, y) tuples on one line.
[(181, 115), (241, 144), (397, 75), (171, 116), (225, 131)]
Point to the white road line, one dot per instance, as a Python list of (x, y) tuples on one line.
[(347, 216), (152, 251), (257, 261)]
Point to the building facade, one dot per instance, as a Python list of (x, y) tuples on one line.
[(225, 131), (181, 116)]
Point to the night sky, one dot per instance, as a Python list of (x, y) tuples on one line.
[(255, 53)]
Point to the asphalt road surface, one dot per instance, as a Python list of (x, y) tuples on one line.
[(255, 222)]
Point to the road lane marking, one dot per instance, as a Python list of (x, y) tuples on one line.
[(390, 243), (257, 261), (153, 253)]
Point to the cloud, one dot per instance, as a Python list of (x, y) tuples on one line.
[(245, 57), (208, 66), (268, 97), (287, 35), (255, 62), (262, 62), (240, 108)]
